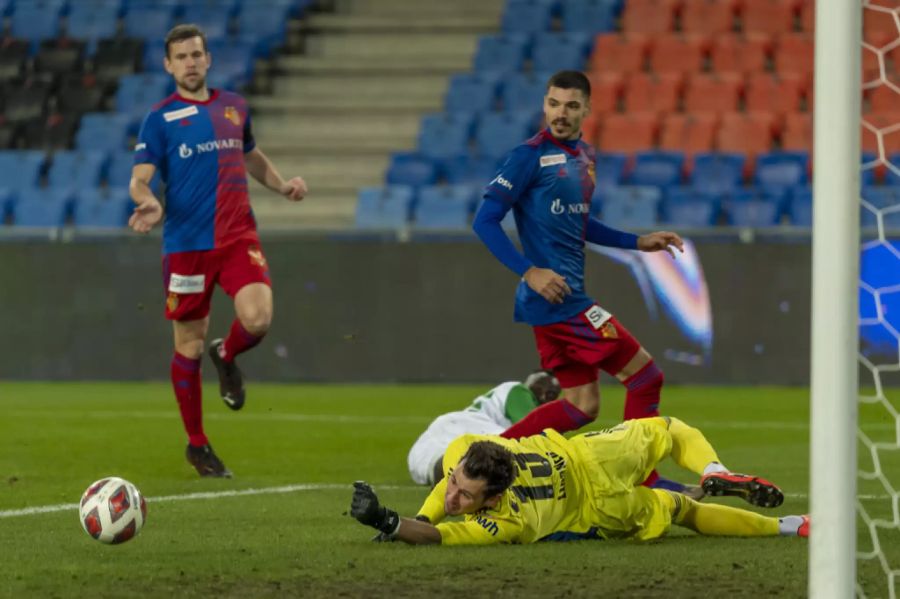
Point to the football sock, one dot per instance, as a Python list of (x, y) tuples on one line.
[(789, 525), (238, 341), (559, 415), (186, 383), (690, 449), (642, 395), (714, 467), (720, 520)]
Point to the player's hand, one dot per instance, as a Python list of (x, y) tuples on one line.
[(364, 506), (550, 285), (295, 189), (660, 240), (145, 215)]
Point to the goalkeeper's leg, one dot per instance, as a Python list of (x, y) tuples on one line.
[(720, 520)]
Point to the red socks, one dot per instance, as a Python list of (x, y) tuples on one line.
[(642, 395), (238, 341), (186, 383), (560, 415)]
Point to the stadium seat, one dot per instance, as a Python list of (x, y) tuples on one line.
[(102, 208), (882, 99), (42, 207), (103, 131), (797, 133), (631, 207), (21, 169), (750, 133), (752, 208), (8, 134), (768, 16), (53, 132), (619, 53), (148, 23), (589, 16), (590, 128), (444, 207), (773, 93), (737, 53), (26, 102), (650, 17), (35, 23), (410, 168), (7, 198), (678, 53), (60, 56), (497, 133), (523, 91), (501, 53), (690, 133), (874, 126), (117, 57), (79, 94), (794, 54), (445, 135), (265, 27), (892, 175), (527, 17), (470, 93), (808, 16), (91, 23), (212, 20), (383, 207), (138, 93), (77, 169), (657, 168), (878, 199), (800, 206), (13, 54), (709, 17), (233, 60), (648, 92), (777, 171), (713, 93), (610, 170), (470, 170), (628, 132), (560, 51), (716, 173), (687, 207), (870, 167), (606, 91), (879, 23)]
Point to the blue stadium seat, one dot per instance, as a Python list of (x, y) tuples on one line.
[(384, 207), (527, 17), (501, 53), (171, 6), (610, 169), (77, 169), (686, 207), (589, 16), (498, 133), (7, 196), (753, 208), (228, 7), (103, 131), (470, 170), (35, 23), (233, 60), (21, 169), (660, 168), (631, 207), (867, 175), (138, 93), (91, 22), (411, 168), (778, 170), (264, 25), (42, 207), (718, 173), (470, 93), (148, 23), (557, 51), (892, 176), (444, 207), (881, 198), (102, 208), (154, 55), (213, 21), (524, 91), (445, 135), (800, 207)]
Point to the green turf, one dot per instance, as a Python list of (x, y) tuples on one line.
[(57, 438)]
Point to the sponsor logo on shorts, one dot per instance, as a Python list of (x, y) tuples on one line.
[(175, 115), (598, 317), (502, 182), (552, 159), (233, 115), (172, 302), (256, 256), (187, 283)]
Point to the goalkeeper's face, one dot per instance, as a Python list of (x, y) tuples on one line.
[(187, 62), (466, 495), (564, 110)]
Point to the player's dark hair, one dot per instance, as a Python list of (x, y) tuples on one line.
[(492, 463), (544, 385), (571, 80), (186, 31)]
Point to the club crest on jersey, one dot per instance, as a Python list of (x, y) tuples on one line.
[(592, 172), (172, 302), (232, 115), (256, 256)]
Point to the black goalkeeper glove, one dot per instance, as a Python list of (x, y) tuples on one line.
[(365, 508)]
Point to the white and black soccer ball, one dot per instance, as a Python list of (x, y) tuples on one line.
[(112, 510)]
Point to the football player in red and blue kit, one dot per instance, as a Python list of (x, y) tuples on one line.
[(200, 141), (548, 182)]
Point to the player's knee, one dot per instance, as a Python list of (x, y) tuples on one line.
[(591, 409), (190, 349), (256, 320)]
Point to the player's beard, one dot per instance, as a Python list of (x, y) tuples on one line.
[(567, 131), (192, 85)]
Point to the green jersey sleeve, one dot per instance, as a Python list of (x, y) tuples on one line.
[(519, 402)]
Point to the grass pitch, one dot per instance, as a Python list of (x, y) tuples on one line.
[(279, 527)]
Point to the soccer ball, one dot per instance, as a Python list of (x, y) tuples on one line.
[(112, 510)]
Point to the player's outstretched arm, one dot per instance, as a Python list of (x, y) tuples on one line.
[(660, 241), (147, 211), (261, 168), (366, 508)]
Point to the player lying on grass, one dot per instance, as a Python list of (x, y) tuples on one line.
[(493, 413), (546, 487)]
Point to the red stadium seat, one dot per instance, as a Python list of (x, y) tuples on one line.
[(620, 53), (883, 99), (794, 54), (713, 93), (888, 126), (689, 133), (808, 16), (660, 93), (767, 92), (709, 17), (750, 133), (768, 16), (878, 20), (628, 132), (649, 17), (675, 53), (798, 131), (589, 127), (732, 53), (606, 89)]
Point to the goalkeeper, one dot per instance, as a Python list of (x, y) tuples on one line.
[(546, 487)]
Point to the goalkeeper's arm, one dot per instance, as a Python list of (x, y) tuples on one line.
[(367, 510)]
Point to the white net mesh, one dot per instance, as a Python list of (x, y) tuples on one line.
[(878, 501)]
